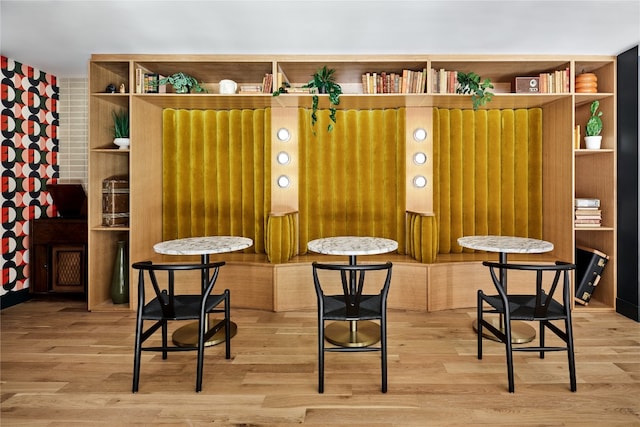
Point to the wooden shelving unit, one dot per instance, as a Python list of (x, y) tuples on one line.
[(567, 172)]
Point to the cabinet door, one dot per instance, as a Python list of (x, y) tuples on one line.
[(68, 268), (39, 267)]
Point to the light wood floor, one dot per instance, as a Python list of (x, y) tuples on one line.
[(63, 366)]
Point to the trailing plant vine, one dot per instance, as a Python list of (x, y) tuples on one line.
[(323, 82)]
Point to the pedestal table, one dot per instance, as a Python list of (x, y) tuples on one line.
[(187, 336), (503, 245), (353, 333)]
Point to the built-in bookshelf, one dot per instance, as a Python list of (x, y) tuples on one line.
[(570, 171)]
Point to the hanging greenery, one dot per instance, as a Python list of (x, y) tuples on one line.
[(470, 83), (323, 82)]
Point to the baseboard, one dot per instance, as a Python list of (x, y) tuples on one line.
[(13, 298), (627, 309)]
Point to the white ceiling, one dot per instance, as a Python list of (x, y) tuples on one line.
[(59, 36)]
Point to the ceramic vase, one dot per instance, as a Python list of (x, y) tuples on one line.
[(120, 276)]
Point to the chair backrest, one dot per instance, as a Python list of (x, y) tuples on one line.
[(352, 279), (165, 290), (548, 277)]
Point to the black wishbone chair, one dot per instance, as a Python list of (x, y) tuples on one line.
[(354, 304), (169, 305), (539, 306)]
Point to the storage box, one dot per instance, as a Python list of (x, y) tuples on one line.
[(527, 85), (115, 201), (589, 266)]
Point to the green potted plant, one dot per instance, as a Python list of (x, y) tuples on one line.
[(121, 128), (324, 82), (181, 82), (470, 83), (593, 139)]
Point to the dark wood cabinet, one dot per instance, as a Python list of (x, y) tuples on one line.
[(58, 255)]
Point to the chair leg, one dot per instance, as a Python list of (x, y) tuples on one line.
[(164, 339), (570, 354), (479, 322), (383, 350), (320, 354), (542, 328), (202, 326), (509, 351), (136, 356), (227, 324)]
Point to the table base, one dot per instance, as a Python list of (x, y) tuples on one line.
[(344, 334), (520, 331), (187, 336)]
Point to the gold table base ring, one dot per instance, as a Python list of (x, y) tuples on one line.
[(187, 336), (344, 334), (520, 331)]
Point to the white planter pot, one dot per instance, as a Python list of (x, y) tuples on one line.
[(593, 142), (123, 143)]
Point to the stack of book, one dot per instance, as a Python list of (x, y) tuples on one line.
[(147, 82), (589, 266), (588, 213), (409, 81), (555, 82), (250, 88), (443, 81)]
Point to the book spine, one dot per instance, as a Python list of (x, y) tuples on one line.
[(138, 80)]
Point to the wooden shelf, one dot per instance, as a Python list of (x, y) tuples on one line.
[(113, 150), (567, 172)]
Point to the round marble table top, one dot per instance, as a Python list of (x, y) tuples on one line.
[(352, 245), (202, 245), (506, 244)]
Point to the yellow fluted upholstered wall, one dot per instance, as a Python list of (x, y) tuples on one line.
[(487, 178), (216, 170), (487, 174), (352, 179)]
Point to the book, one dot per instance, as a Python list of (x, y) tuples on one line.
[(590, 264), (588, 217), (267, 83), (587, 203), (588, 211), (580, 217), (150, 84)]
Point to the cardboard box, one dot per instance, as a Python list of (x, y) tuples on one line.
[(115, 201), (526, 85)]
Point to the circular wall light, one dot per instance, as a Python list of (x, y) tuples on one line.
[(419, 181), (283, 158), (283, 181), (420, 134), (283, 134), (419, 158)]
